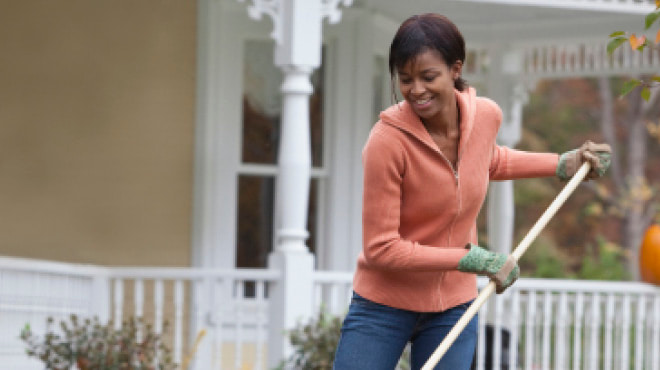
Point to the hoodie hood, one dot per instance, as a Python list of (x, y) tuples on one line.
[(404, 118)]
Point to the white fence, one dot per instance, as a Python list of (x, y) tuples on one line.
[(552, 324)]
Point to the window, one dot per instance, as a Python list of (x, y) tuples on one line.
[(262, 104)]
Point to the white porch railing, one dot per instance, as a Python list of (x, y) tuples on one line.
[(554, 324)]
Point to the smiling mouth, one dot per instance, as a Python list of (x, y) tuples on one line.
[(422, 101)]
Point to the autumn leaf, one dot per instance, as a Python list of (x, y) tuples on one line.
[(636, 43), (657, 3), (629, 86), (615, 43), (646, 93), (650, 18), (657, 37)]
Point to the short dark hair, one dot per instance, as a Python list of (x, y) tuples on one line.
[(427, 32)]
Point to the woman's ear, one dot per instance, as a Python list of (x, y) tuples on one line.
[(456, 70)]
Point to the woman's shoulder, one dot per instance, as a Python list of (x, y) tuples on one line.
[(489, 107), (384, 138), (384, 131)]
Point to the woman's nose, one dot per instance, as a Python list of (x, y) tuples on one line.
[(417, 88)]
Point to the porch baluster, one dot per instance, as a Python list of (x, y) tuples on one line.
[(221, 288), (594, 324), (481, 337), (530, 330), (238, 322), (178, 321), (639, 331), (119, 303), (138, 293), (609, 321), (547, 327), (158, 313), (497, 333), (201, 289), (625, 332), (514, 325), (577, 331), (656, 334), (560, 339), (259, 302)]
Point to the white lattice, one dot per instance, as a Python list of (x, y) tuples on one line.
[(587, 59)]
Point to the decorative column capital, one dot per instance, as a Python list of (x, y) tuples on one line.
[(273, 9)]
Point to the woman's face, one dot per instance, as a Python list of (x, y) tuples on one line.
[(427, 83)]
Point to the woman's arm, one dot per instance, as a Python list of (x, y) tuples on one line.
[(510, 164)]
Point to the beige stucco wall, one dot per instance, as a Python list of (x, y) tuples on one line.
[(96, 130)]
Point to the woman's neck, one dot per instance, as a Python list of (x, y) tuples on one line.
[(446, 122)]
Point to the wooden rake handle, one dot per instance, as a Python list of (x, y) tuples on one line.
[(517, 253)]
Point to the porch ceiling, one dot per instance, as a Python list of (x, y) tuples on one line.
[(520, 20)]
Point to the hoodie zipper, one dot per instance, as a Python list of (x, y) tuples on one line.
[(458, 191)]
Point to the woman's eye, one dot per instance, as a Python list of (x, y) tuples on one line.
[(405, 81), (429, 78)]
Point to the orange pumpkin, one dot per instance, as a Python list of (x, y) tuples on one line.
[(649, 255)]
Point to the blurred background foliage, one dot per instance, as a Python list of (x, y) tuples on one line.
[(588, 238)]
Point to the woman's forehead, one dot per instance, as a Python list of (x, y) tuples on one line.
[(427, 59)]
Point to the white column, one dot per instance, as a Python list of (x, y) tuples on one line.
[(291, 297), (294, 161), (505, 88), (297, 26)]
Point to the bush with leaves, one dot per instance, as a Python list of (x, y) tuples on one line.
[(315, 344), (91, 345), (639, 42)]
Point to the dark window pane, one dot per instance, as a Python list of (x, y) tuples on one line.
[(255, 220), (262, 103), (316, 114), (262, 106)]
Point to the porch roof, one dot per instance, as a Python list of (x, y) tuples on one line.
[(523, 20)]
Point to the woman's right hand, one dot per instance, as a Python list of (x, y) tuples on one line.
[(598, 155), (500, 268)]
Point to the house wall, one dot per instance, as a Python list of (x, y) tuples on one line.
[(96, 130)]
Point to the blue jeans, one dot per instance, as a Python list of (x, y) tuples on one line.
[(373, 337)]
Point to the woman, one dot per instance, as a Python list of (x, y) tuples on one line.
[(427, 164)]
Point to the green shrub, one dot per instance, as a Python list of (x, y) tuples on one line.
[(607, 263), (315, 344), (91, 345)]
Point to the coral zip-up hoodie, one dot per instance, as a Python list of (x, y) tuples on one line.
[(419, 211)]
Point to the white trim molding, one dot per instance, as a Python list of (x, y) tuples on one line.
[(621, 6)]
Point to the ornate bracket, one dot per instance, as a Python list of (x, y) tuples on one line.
[(330, 9), (272, 8)]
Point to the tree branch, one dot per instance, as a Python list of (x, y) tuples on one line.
[(607, 128)]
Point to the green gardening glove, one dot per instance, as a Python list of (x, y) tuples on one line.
[(598, 155), (499, 267)]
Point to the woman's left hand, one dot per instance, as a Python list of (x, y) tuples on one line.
[(598, 155)]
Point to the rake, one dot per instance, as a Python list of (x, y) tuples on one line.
[(517, 253)]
